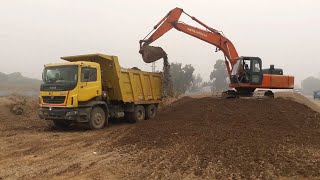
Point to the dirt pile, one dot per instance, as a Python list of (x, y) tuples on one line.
[(19, 113), (18, 105), (218, 139), (300, 99), (203, 138)]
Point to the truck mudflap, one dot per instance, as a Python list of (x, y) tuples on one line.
[(61, 113)]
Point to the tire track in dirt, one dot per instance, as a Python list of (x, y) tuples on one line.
[(38, 151)]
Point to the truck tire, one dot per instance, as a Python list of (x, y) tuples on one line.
[(97, 119), (137, 116), (61, 124), (151, 111)]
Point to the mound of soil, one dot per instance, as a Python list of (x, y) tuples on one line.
[(218, 139), (300, 99), (19, 113), (191, 138)]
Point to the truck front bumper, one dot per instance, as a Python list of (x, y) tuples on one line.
[(61, 113)]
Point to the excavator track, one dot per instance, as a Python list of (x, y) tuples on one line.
[(260, 94)]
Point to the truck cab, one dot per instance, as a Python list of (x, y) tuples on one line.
[(76, 81), (65, 88)]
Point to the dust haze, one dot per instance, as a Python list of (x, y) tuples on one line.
[(37, 32)]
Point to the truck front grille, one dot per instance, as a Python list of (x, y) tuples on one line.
[(53, 99)]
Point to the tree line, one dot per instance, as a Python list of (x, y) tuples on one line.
[(184, 80)]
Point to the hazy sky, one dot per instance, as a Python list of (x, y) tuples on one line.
[(36, 32)]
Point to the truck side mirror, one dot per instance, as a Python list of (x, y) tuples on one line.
[(43, 78)]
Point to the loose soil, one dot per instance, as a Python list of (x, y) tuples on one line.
[(167, 84), (191, 138)]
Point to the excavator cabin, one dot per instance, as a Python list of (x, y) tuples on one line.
[(247, 75), (247, 70)]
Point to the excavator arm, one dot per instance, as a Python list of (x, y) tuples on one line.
[(209, 35)]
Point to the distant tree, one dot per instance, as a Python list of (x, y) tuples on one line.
[(182, 77), (207, 83), (310, 84), (219, 76), (196, 83)]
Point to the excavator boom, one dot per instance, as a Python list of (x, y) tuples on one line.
[(209, 35)]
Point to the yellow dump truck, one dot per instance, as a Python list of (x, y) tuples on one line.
[(93, 88)]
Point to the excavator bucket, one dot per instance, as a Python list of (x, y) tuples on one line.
[(151, 54)]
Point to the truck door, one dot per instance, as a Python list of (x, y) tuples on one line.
[(90, 83), (256, 71)]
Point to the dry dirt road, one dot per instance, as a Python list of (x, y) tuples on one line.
[(192, 138)]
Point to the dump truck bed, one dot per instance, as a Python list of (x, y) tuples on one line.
[(125, 85), (139, 86)]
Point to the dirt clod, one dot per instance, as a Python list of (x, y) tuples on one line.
[(18, 104), (17, 109)]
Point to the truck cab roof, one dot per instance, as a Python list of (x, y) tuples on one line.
[(88, 57), (72, 63)]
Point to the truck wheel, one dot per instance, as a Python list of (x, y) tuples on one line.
[(97, 119), (61, 124), (137, 116), (151, 111)]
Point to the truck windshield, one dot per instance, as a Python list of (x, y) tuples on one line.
[(60, 74)]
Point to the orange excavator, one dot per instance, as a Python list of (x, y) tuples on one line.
[(245, 73)]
